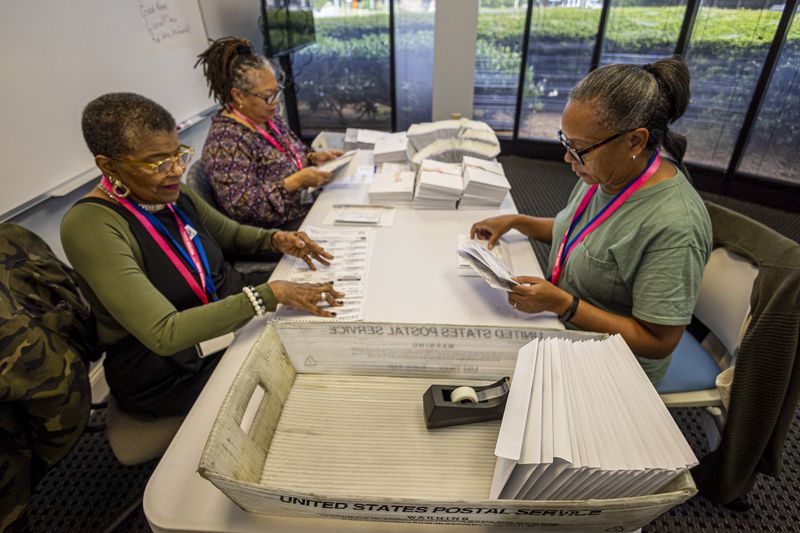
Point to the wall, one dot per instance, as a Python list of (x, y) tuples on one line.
[(44, 219)]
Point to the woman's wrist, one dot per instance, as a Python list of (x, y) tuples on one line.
[(568, 313), (564, 301)]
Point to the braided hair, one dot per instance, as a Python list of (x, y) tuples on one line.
[(227, 63), (650, 96)]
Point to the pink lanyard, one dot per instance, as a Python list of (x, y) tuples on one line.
[(198, 291), (294, 157), (607, 211), (189, 244)]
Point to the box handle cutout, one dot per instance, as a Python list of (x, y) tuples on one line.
[(250, 412)]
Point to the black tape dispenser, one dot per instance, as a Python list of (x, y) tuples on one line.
[(448, 405)]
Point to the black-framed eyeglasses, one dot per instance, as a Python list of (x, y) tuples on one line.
[(270, 98), (578, 154), (181, 158)]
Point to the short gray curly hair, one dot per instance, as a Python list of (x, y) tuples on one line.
[(112, 124)]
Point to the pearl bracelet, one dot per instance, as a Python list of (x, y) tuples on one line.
[(255, 300)]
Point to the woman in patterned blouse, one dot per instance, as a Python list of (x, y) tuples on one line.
[(259, 170)]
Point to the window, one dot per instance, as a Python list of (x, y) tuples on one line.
[(772, 148), (500, 32), (641, 31), (413, 60), (562, 37), (343, 79), (726, 52)]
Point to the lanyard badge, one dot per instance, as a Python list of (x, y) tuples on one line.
[(192, 251), (566, 246), (294, 157)]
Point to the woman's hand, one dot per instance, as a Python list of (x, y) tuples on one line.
[(492, 228), (307, 296), (534, 295), (308, 177), (298, 244), (321, 157)]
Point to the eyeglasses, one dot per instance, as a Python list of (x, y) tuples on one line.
[(578, 154), (164, 166), (271, 98)]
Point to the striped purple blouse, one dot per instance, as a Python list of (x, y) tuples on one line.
[(247, 172)]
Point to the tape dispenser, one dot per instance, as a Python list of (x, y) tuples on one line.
[(448, 405)]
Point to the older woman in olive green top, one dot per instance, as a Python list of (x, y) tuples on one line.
[(638, 273), (150, 256)]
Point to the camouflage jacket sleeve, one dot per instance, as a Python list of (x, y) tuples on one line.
[(44, 388)]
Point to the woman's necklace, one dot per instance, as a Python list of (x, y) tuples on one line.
[(150, 208)]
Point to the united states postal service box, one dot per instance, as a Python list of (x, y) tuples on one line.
[(354, 446)]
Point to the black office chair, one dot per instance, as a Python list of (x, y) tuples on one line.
[(196, 179)]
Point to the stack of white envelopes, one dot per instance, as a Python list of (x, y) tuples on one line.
[(356, 138), (450, 140), (391, 148), (583, 422), (394, 188), (439, 185), (485, 184)]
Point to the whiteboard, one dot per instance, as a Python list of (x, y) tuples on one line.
[(57, 55)]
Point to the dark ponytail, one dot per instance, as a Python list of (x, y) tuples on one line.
[(672, 76)]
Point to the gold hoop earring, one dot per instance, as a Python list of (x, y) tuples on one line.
[(119, 189)]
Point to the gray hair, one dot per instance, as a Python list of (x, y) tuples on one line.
[(649, 96), (228, 62), (114, 123)]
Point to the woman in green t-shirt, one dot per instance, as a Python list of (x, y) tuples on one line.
[(629, 249), (150, 256)]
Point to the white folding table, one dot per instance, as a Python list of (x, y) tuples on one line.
[(412, 279)]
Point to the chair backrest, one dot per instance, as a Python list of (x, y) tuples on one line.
[(136, 440), (723, 304), (196, 179)]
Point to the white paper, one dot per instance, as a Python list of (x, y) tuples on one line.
[(493, 272), (336, 164), (351, 250), (594, 428)]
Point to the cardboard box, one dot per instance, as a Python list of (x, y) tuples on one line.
[(398, 349), (355, 447)]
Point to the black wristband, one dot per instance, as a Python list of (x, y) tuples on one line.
[(569, 313)]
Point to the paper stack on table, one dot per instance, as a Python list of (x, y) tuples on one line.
[(394, 188), (439, 186), (583, 422), (391, 148), (423, 134), (488, 266), (485, 184), (451, 140), (454, 150), (361, 138)]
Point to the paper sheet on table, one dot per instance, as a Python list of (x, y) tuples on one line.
[(351, 250), (360, 215)]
